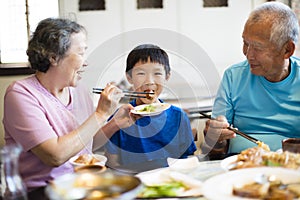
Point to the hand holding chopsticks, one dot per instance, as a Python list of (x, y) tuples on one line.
[(128, 93), (248, 137)]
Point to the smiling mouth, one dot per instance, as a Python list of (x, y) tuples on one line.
[(150, 96), (253, 66), (80, 72)]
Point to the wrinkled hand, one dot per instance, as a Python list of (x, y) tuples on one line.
[(124, 118), (216, 130), (109, 100)]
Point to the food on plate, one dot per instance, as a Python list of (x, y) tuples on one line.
[(168, 189), (263, 145), (86, 159), (161, 183), (285, 159), (92, 186), (258, 157), (148, 108), (272, 189)]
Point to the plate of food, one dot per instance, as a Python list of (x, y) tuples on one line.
[(88, 159), (150, 109), (165, 183), (246, 184), (258, 157)]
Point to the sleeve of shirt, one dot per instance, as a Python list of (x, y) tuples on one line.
[(187, 136), (111, 146), (25, 120), (223, 104)]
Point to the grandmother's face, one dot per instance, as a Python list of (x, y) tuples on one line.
[(72, 65)]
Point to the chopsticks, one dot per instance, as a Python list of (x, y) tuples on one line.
[(248, 137), (127, 93)]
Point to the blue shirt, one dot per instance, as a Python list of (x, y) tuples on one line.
[(165, 135), (269, 111)]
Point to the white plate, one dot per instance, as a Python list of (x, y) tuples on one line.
[(220, 186), (102, 160), (159, 107), (225, 163), (164, 175)]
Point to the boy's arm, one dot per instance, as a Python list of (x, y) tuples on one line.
[(112, 160)]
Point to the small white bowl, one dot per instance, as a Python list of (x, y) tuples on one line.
[(184, 165), (101, 160)]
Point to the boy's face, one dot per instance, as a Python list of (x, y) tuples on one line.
[(148, 77)]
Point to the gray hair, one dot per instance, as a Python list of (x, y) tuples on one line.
[(52, 38), (284, 22)]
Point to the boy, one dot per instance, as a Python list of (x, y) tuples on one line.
[(151, 140)]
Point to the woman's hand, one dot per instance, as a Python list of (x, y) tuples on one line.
[(109, 100)]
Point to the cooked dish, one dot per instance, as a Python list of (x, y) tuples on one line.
[(86, 159), (148, 108), (168, 189), (92, 186), (257, 156), (274, 189), (263, 145)]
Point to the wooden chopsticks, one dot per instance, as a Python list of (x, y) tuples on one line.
[(127, 93), (248, 137)]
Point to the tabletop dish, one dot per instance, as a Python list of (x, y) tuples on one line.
[(88, 159), (228, 162), (258, 157), (90, 168), (291, 145), (150, 109), (91, 186), (221, 186), (165, 178), (184, 165)]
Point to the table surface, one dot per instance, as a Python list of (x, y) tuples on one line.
[(207, 168)]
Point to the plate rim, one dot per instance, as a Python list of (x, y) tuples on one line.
[(134, 111), (226, 161), (239, 173)]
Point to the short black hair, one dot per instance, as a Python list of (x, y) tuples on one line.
[(145, 52)]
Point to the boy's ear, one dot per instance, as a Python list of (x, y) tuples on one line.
[(129, 78)]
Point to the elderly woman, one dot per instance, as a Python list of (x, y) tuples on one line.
[(49, 113), (260, 96)]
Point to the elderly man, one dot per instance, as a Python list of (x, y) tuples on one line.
[(261, 95)]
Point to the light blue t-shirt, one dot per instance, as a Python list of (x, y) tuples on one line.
[(265, 110)]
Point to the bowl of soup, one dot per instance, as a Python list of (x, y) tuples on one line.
[(91, 186)]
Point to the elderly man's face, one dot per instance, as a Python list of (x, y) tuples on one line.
[(265, 58)]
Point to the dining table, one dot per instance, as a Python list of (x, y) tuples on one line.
[(208, 166), (207, 176)]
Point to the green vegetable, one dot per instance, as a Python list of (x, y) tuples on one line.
[(171, 189), (148, 108), (272, 163)]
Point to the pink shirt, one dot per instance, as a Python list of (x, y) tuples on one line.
[(32, 115)]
